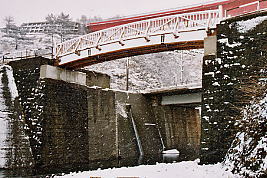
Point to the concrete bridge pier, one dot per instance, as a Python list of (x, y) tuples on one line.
[(210, 45), (56, 73), (208, 150)]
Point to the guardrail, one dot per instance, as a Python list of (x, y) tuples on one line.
[(174, 24), (27, 53)]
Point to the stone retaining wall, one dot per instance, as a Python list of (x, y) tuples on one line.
[(228, 81)]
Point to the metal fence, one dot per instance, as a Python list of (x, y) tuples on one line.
[(27, 53)]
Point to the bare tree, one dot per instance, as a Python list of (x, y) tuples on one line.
[(62, 25), (63, 18), (9, 23), (51, 18), (83, 20)]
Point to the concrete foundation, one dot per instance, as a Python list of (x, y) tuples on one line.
[(56, 73)]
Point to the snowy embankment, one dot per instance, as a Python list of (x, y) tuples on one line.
[(11, 83), (247, 155), (3, 124), (246, 25), (186, 169), (4, 113)]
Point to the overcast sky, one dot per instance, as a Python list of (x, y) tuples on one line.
[(37, 10)]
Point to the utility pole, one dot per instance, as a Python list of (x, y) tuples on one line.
[(16, 45), (52, 45), (182, 67), (127, 73)]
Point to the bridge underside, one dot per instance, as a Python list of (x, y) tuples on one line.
[(108, 56)]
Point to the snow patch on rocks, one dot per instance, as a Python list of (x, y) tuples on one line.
[(172, 151), (245, 25), (11, 82), (120, 109)]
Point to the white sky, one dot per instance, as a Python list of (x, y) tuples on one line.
[(37, 10)]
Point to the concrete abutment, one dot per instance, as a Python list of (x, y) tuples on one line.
[(73, 124)]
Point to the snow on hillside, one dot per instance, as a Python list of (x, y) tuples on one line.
[(185, 169), (12, 47), (245, 25), (248, 153), (156, 70), (8, 44)]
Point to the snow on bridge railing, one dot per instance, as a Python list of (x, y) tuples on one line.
[(174, 24)]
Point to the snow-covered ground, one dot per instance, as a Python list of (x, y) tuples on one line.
[(29, 44), (185, 169)]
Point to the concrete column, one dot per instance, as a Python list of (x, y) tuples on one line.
[(210, 45)]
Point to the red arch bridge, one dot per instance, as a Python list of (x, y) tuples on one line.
[(164, 33)]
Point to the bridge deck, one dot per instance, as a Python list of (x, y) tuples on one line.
[(183, 31)]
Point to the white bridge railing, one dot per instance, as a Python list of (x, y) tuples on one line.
[(143, 29)]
